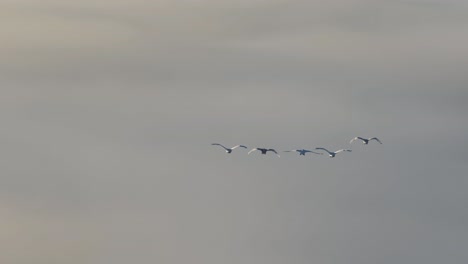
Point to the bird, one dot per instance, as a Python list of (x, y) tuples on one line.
[(264, 151), (303, 151), (229, 150), (365, 141), (333, 154)]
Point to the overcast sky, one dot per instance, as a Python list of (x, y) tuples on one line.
[(108, 109)]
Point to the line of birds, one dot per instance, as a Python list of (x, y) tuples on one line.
[(302, 152)]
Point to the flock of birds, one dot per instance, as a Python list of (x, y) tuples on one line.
[(331, 154)]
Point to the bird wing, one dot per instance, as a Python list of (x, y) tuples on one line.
[(306, 151), (356, 138), (272, 150), (217, 144), (239, 146), (341, 150), (325, 150), (252, 151), (376, 139), (293, 150)]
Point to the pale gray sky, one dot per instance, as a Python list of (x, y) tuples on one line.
[(108, 110)]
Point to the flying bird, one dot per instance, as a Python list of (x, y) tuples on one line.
[(303, 151), (333, 154), (229, 150), (365, 141), (264, 151)]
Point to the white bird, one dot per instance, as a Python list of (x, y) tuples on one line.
[(303, 151), (264, 151), (365, 141), (229, 150), (333, 154)]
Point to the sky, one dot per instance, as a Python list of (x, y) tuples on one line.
[(108, 109)]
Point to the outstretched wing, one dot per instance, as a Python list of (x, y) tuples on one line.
[(341, 150), (294, 150), (272, 150), (239, 146), (376, 139), (217, 144), (325, 150), (307, 151), (356, 138), (252, 151)]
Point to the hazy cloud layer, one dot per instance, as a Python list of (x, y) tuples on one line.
[(108, 110)]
